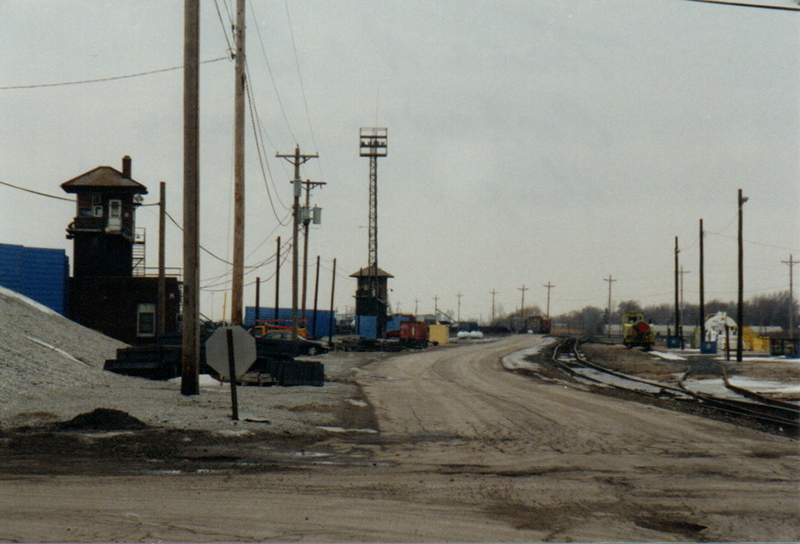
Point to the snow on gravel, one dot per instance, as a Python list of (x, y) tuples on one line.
[(51, 369), (517, 361), (667, 355)]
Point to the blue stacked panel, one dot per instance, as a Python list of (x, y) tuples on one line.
[(38, 273)]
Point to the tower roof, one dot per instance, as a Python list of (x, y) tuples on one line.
[(103, 177), (369, 272)]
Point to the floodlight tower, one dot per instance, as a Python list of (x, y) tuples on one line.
[(373, 144)]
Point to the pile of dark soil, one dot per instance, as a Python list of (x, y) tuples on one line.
[(103, 419)]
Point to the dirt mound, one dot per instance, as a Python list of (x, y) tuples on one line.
[(104, 419)]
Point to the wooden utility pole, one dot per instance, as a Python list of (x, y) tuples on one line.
[(740, 304), (549, 286), (237, 288), (683, 282), (316, 298), (791, 262), (257, 315), (306, 221), (493, 293), (161, 312), (277, 277), (297, 159), (522, 303), (610, 279), (190, 358), (458, 318), (678, 331), (436, 308), (702, 287), (331, 323)]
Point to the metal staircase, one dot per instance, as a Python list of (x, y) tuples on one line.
[(139, 265)]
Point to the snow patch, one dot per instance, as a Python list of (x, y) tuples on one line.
[(342, 430), (516, 360), (668, 356)]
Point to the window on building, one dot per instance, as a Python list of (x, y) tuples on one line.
[(146, 319)]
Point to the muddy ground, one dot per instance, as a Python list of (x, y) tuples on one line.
[(443, 445)]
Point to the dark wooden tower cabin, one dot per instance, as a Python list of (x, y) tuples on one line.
[(106, 292), (105, 223), (372, 294)]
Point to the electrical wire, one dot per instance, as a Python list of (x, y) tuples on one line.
[(37, 192), (224, 29), (271, 75), (300, 76), (180, 227), (104, 79), (259, 148)]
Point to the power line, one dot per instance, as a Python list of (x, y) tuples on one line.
[(271, 76), (102, 79), (261, 152), (36, 192), (300, 76)]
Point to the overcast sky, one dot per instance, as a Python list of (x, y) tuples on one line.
[(530, 141)]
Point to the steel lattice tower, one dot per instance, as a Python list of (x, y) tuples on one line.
[(373, 145)]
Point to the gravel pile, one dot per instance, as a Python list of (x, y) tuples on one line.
[(51, 370)]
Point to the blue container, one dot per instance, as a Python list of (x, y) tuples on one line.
[(367, 326), (708, 347), (320, 327), (673, 342)]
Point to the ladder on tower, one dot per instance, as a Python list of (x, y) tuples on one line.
[(138, 253)]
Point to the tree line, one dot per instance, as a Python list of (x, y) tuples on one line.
[(759, 311)]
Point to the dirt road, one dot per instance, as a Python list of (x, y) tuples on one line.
[(465, 451)]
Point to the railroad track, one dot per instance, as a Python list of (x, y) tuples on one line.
[(781, 417)]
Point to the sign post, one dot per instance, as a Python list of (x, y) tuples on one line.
[(232, 372)]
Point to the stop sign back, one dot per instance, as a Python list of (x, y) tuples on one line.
[(244, 351)]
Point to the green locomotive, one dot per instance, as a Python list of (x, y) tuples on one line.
[(636, 331)]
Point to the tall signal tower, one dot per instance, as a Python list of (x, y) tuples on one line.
[(372, 290)]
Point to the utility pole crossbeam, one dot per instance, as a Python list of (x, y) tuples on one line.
[(791, 262), (297, 159), (610, 281)]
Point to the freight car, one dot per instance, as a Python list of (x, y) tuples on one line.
[(539, 324), (636, 332), (414, 334)]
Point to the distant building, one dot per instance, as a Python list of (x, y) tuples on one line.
[(104, 293), (38, 273)]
